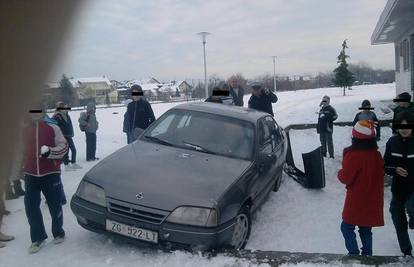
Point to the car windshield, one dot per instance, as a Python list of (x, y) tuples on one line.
[(203, 132)]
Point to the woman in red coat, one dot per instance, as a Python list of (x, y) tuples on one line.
[(363, 174)]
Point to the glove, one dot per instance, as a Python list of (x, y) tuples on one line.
[(266, 91), (44, 151)]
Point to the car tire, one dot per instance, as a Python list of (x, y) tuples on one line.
[(242, 229), (278, 181)]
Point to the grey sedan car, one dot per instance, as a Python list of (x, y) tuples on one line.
[(192, 180)]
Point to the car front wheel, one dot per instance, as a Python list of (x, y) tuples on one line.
[(241, 229)]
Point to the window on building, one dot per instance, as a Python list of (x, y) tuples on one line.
[(397, 58)]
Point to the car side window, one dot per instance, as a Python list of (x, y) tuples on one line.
[(184, 121), (264, 133), (163, 126), (275, 131)]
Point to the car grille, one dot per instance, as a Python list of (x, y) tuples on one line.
[(136, 212)]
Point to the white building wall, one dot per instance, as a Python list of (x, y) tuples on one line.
[(403, 77)]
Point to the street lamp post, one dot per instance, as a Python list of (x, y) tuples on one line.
[(203, 37), (274, 72)]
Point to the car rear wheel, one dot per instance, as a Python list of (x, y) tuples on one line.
[(241, 229)]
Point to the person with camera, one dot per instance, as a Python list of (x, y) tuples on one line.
[(262, 99)]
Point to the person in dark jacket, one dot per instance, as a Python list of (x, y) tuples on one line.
[(367, 114), (44, 146), (262, 99), (327, 115), (236, 91), (139, 114), (404, 104), (65, 124), (89, 124), (399, 163), (221, 95), (363, 174)]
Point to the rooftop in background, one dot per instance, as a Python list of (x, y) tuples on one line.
[(396, 19)]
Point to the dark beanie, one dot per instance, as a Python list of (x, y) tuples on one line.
[(366, 104), (404, 96), (136, 87)]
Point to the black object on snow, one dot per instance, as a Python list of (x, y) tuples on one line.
[(314, 175)]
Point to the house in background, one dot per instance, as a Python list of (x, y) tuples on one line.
[(150, 87), (176, 89), (396, 25), (94, 89)]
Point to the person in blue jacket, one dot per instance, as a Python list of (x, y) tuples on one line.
[(139, 114)]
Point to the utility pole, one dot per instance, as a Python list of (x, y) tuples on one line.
[(274, 73), (203, 38)]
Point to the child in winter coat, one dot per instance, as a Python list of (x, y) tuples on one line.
[(89, 125), (327, 115), (367, 114), (399, 163), (45, 146), (363, 174)]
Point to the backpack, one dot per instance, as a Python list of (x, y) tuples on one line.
[(83, 127)]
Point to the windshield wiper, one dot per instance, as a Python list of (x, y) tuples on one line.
[(158, 140), (199, 148)]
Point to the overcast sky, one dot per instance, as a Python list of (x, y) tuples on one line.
[(131, 39)]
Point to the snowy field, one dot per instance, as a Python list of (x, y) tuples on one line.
[(294, 219)]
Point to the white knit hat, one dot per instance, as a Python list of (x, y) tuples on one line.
[(364, 129)]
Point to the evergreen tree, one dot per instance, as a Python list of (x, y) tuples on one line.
[(67, 90), (343, 77)]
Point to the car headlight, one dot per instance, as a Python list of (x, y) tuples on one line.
[(194, 216), (91, 193)]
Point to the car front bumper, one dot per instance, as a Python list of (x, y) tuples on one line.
[(170, 236)]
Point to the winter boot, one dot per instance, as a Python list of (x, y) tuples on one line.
[(5, 238), (59, 239), (18, 190), (36, 246)]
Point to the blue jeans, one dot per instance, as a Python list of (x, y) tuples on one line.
[(49, 185), (351, 244)]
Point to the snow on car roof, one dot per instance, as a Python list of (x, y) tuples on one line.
[(242, 113)]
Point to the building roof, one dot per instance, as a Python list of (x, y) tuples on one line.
[(172, 86), (396, 19), (101, 79)]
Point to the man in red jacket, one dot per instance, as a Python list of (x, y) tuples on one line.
[(44, 148), (363, 174)]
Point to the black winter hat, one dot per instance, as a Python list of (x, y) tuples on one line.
[(136, 87), (366, 104), (404, 96)]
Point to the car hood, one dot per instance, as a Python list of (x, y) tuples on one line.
[(167, 177)]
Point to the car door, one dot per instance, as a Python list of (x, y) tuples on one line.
[(266, 170), (279, 148)]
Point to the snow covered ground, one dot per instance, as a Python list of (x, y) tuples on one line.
[(293, 219)]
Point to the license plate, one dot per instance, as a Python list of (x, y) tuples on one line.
[(131, 231)]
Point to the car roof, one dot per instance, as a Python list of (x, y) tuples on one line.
[(241, 113)]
